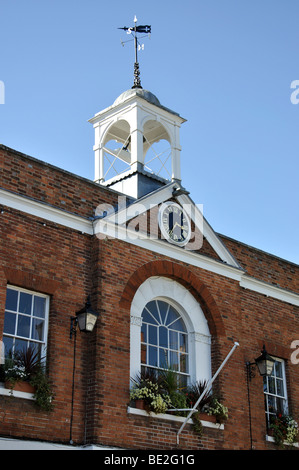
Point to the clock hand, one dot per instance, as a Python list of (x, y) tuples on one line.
[(176, 224)]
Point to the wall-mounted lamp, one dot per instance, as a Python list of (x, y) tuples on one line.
[(86, 319), (264, 364)]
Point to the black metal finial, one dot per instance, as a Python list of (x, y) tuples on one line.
[(134, 30)]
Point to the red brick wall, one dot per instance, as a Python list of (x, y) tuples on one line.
[(235, 315), (68, 266), (263, 266), (46, 183), (55, 261)]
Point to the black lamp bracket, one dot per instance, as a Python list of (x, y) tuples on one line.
[(250, 368), (73, 328)]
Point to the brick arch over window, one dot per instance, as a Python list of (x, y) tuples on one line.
[(185, 277)]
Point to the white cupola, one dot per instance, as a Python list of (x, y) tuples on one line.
[(137, 144)]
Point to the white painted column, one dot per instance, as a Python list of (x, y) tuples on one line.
[(176, 155)]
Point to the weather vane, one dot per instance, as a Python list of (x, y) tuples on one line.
[(134, 30)]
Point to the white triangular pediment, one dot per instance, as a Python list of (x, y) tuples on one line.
[(138, 219)]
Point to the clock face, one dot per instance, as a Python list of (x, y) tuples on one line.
[(174, 223)]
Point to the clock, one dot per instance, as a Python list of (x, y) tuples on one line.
[(174, 223)]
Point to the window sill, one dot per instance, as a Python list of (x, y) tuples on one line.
[(271, 439), (173, 418), (14, 393)]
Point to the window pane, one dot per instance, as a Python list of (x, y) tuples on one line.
[(39, 307), (173, 340), (150, 317), (265, 382), (163, 358), (143, 333), (23, 326), (174, 321), (37, 329), (152, 308), (11, 300), (9, 323), (280, 389), (177, 325), (280, 405), (8, 345), (271, 404), (182, 382), (163, 309), (36, 347), (152, 334), (183, 363), (20, 345), (183, 342), (174, 360), (271, 385), (147, 318), (163, 337), (278, 369), (143, 354), (275, 398), (25, 303), (152, 353), (163, 341), (24, 321)]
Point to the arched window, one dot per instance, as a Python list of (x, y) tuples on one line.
[(164, 339), (169, 329)]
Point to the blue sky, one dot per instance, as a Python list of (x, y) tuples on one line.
[(224, 65)]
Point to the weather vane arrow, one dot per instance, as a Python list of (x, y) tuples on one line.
[(145, 29), (139, 29)]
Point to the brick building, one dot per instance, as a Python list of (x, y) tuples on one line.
[(169, 291)]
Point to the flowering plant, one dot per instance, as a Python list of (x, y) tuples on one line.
[(285, 429), (28, 366), (209, 403), (15, 373), (150, 393), (21, 365), (217, 409), (148, 386)]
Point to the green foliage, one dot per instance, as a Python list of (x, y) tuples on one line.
[(28, 366), (161, 393), (197, 424), (218, 410), (149, 388), (43, 393), (285, 429), (178, 400), (194, 391)]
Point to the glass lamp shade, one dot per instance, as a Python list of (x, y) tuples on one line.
[(265, 363), (87, 321), (87, 318)]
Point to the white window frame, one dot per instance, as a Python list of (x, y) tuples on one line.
[(199, 337), (168, 350), (276, 395), (46, 319)]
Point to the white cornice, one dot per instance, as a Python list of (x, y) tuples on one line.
[(45, 211), (269, 290), (104, 228), (84, 225)]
